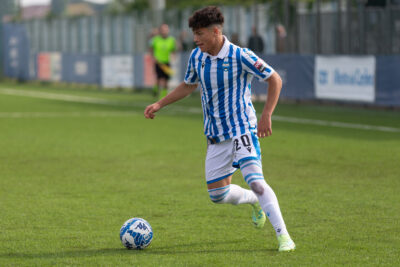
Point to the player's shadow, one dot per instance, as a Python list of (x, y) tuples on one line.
[(204, 248)]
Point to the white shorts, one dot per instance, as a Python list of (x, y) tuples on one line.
[(224, 158)]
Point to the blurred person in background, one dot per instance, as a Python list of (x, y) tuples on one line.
[(185, 44), (235, 39), (161, 47), (255, 42), (280, 36)]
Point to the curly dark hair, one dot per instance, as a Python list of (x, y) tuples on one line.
[(205, 17)]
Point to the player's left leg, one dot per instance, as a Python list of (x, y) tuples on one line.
[(163, 89), (223, 192), (156, 88), (164, 81), (162, 92)]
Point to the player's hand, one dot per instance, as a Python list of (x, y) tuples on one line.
[(264, 128), (150, 110)]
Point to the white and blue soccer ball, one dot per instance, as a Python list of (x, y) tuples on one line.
[(136, 233)]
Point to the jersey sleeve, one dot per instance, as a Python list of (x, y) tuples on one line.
[(255, 65), (191, 76)]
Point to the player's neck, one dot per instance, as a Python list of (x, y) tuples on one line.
[(218, 46)]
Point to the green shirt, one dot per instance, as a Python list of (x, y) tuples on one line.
[(162, 48)]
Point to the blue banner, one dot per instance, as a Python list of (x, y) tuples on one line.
[(388, 80), (138, 68), (16, 51), (297, 73), (80, 68), (184, 62), (1, 50)]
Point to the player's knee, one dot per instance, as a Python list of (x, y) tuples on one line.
[(218, 195), (252, 173), (257, 188)]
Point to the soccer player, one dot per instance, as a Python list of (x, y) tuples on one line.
[(224, 72), (161, 47)]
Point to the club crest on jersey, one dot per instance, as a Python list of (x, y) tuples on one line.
[(260, 65), (202, 64), (225, 65)]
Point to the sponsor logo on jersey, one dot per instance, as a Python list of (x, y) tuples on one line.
[(260, 65)]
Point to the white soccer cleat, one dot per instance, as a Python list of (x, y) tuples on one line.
[(286, 243)]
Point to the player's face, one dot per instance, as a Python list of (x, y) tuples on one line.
[(206, 38), (164, 30)]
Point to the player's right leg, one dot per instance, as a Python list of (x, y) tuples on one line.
[(219, 172), (253, 175), (248, 157)]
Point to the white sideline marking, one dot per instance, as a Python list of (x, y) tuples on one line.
[(62, 97), (337, 124), (174, 109), (64, 114)]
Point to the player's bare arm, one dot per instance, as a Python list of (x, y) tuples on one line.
[(178, 93), (274, 89)]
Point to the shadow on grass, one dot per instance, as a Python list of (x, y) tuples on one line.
[(211, 248)]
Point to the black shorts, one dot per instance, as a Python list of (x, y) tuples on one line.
[(160, 73)]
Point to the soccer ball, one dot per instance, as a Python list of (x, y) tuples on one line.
[(136, 233)]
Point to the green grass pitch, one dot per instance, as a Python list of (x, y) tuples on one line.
[(75, 164)]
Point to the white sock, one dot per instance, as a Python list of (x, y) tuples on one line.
[(232, 194), (269, 204)]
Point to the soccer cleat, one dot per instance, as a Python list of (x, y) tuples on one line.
[(286, 243), (258, 216)]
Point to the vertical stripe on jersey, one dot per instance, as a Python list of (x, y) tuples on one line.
[(199, 69), (189, 68), (238, 89), (190, 63), (204, 90), (208, 88), (191, 74), (244, 102), (221, 97), (194, 77), (204, 110), (230, 80)]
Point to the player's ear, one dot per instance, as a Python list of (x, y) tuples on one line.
[(216, 30)]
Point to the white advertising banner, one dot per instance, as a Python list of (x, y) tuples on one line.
[(175, 65), (117, 71), (56, 66), (345, 78)]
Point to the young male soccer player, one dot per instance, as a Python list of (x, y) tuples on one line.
[(224, 72)]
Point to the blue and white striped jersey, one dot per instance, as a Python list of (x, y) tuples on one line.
[(226, 89)]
